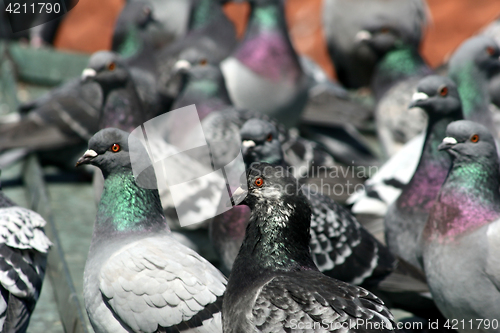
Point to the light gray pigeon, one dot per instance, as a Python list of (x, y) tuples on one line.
[(23, 257), (461, 239), (405, 218), (138, 278), (264, 74)]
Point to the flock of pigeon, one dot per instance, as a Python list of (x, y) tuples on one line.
[(291, 259)]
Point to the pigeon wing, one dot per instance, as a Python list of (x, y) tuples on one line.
[(322, 304), (155, 283)]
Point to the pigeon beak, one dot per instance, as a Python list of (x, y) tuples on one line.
[(362, 35), (248, 143), (238, 197), (88, 73), (417, 98), (182, 66), (88, 156), (447, 143)]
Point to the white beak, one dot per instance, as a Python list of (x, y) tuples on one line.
[(362, 35), (88, 72), (248, 143), (449, 140), (419, 96)]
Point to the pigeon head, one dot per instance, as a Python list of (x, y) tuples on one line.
[(382, 36), (272, 186), (110, 150), (437, 95), (259, 142), (467, 141), (481, 51), (107, 69), (136, 15)]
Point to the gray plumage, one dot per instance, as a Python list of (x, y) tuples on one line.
[(138, 278), (23, 257), (266, 290), (343, 19), (461, 237)]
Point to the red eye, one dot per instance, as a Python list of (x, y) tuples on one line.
[(259, 182), (474, 138), (112, 66), (270, 138), (385, 30), (115, 148), (203, 62), (490, 50), (443, 91)]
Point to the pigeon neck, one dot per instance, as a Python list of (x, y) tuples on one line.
[(131, 44), (468, 200), (472, 86), (421, 191), (125, 207), (203, 13), (266, 48), (115, 99), (276, 239), (398, 64)]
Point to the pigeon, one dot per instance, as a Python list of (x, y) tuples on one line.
[(211, 37), (264, 72), (460, 238), (469, 68), (406, 217), (138, 35), (343, 19), (266, 290), (394, 80), (23, 259), (137, 277)]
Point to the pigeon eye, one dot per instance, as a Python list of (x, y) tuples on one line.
[(490, 50), (259, 182), (269, 138), (203, 62), (474, 138), (443, 91), (115, 148), (385, 30), (111, 66)]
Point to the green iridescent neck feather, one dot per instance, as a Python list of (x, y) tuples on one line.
[(125, 206)]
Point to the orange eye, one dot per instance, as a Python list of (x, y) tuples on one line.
[(115, 148), (490, 50), (270, 138), (443, 91), (474, 138), (203, 62), (385, 30), (259, 182), (112, 66)]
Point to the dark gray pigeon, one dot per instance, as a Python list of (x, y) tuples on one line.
[(461, 237), (211, 37), (405, 218), (343, 19), (23, 257), (275, 285), (471, 67), (138, 277), (264, 73), (395, 78)]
